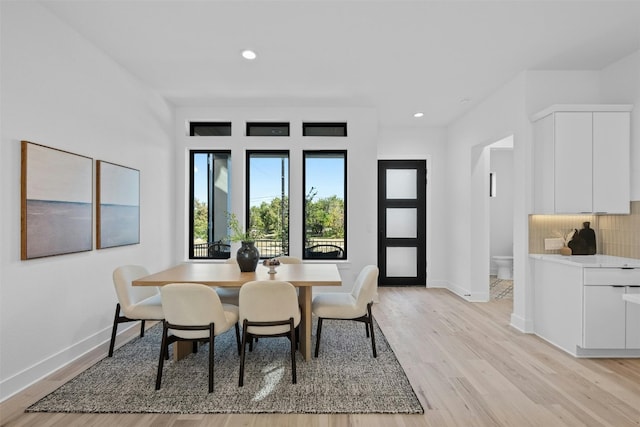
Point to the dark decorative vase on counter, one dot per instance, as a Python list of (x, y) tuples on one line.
[(248, 257), (589, 237), (577, 244)]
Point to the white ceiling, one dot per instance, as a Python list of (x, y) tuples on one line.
[(396, 56)]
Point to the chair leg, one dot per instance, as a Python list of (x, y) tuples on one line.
[(163, 349), (293, 351), (114, 330), (242, 353), (373, 340), (194, 346), (141, 328), (366, 327), (318, 332), (211, 355), (238, 337)]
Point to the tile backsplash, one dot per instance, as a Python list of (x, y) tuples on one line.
[(617, 235)]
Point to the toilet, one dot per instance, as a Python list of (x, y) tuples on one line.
[(505, 267)]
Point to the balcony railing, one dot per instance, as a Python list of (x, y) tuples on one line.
[(270, 248)]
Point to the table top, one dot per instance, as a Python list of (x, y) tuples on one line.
[(229, 275)]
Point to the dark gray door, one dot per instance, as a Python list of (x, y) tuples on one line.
[(402, 222)]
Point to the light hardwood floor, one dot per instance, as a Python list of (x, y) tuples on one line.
[(466, 364)]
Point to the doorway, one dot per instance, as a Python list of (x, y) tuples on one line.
[(492, 224), (402, 222)]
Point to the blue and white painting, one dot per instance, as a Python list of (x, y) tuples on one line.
[(57, 202), (118, 205)]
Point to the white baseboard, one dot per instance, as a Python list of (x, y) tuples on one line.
[(468, 295), (29, 376), (521, 324)]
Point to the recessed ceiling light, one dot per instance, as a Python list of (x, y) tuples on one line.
[(418, 115), (249, 54)]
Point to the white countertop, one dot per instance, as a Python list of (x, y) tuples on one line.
[(594, 261), (634, 298)]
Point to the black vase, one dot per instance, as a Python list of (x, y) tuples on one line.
[(248, 257), (589, 236)]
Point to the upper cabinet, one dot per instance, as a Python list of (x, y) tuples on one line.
[(581, 159)]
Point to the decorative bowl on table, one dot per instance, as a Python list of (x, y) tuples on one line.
[(272, 263)]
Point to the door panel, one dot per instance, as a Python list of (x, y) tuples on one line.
[(402, 222)]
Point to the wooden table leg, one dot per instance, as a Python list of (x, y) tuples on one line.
[(182, 349), (304, 298)]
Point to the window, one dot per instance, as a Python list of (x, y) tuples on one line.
[(325, 204), (209, 188), (210, 129), (324, 129), (268, 200), (267, 129)]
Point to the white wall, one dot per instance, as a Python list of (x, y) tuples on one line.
[(546, 88), (59, 91), (361, 169), (620, 84), (497, 117), (501, 206), (507, 111), (428, 144)]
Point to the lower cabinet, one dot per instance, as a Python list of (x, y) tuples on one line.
[(581, 309), (609, 322), (633, 320), (605, 319)]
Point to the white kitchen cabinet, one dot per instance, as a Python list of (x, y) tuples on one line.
[(605, 319), (581, 159), (633, 319), (578, 304), (609, 321)]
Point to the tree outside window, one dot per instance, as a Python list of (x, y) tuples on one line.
[(325, 204)]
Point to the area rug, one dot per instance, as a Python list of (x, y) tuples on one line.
[(344, 379)]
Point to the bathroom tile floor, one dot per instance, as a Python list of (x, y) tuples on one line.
[(500, 289)]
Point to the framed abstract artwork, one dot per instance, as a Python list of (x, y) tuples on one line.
[(56, 202), (118, 200)]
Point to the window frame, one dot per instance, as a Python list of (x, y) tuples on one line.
[(304, 203), (247, 190), (266, 125), (193, 125), (306, 125), (192, 155)]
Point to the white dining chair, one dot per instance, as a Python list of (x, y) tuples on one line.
[(268, 308), (355, 305), (137, 303), (193, 312)]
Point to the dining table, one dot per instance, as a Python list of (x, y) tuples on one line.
[(303, 276)]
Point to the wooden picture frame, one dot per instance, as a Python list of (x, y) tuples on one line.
[(118, 201), (56, 202)]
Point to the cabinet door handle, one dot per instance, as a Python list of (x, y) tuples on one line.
[(627, 268)]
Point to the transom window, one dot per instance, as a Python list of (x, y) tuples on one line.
[(210, 129)]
